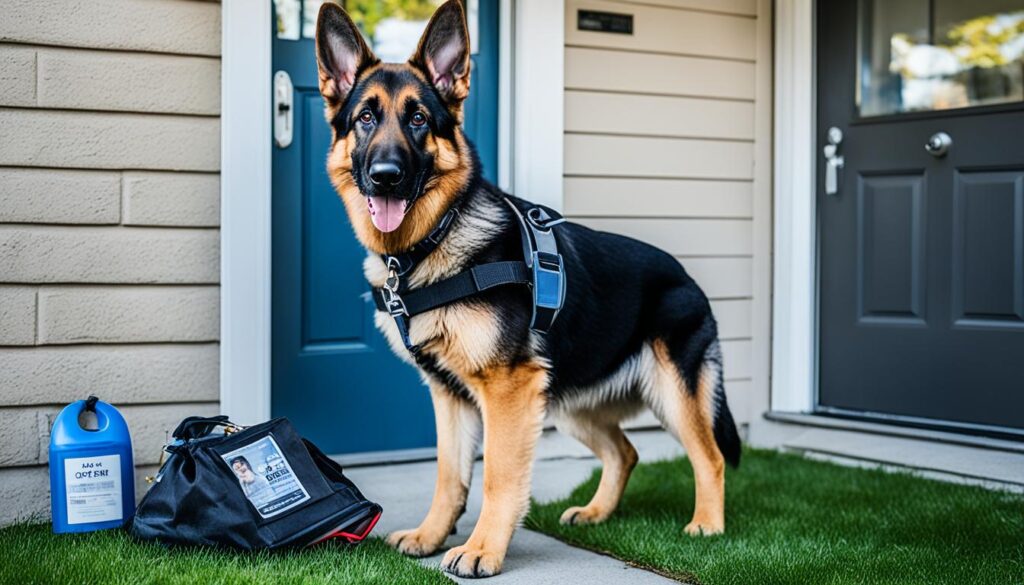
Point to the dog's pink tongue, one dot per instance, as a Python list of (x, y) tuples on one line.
[(387, 213)]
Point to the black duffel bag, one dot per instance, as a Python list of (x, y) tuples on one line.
[(260, 487)]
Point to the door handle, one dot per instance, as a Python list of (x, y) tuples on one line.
[(283, 109), (833, 161), (938, 145)]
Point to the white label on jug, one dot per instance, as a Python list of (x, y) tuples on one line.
[(93, 486), (266, 477)]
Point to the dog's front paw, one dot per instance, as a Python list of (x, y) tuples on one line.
[(467, 561), (704, 528), (583, 515), (414, 543)]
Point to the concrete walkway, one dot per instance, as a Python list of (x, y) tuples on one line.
[(405, 491)]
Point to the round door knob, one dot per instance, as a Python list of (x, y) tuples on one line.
[(835, 135), (938, 145)]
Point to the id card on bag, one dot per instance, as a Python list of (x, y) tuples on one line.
[(266, 477)]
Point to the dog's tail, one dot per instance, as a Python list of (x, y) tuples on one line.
[(724, 427)]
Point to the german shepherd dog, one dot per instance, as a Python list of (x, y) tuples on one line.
[(635, 330)]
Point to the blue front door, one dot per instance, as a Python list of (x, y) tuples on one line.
[(332, 373)]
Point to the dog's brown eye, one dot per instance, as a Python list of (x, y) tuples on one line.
[(366, 117), (418, 119)]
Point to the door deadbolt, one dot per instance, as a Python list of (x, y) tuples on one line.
[(938, 145), (283, 96), (833, 161)]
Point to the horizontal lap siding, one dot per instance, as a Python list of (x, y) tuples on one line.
[(742, 7), (668, 30), (587, 68), (101, 140), (675, 158), (90, 197), (651, 115), (604, 197), (722, 278), (136, 374), (111, 80), (109, 215), (659, 146), (158, 26), (684, 237), (57, 254)]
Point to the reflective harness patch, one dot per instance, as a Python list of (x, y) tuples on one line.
[(541, 269)]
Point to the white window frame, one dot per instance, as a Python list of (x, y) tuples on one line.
[(530, 128), (794, 306)]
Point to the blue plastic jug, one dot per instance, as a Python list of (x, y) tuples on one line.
[(92, 476)]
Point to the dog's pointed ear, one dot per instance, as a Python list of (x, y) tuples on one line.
[(341, 53), (443, 53)]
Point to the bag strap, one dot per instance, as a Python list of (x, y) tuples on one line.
[(195, 427)]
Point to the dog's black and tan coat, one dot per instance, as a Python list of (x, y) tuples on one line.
[(635, 331)]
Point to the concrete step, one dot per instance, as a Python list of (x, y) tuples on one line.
[(986, 463)]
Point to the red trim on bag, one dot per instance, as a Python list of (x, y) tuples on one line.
[(348, 536), (357, 537)]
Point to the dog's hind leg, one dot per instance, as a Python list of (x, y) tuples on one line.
[(689, 411), (458, 431), (512, 400), (600, 432)]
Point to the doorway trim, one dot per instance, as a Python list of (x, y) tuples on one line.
[(794, 304), (531, 72), (537, 76), (245, 211)]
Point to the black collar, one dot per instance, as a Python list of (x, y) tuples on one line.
[(420, 250)]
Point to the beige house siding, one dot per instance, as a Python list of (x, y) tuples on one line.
[(109, 207), (662, 129)]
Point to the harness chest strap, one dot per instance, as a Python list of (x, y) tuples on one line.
[(462, 285)]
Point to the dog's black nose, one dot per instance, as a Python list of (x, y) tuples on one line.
[(386, 173)]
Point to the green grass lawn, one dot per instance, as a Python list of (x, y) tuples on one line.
[(794, 520), (32, 554)]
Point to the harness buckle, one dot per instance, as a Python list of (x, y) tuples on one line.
[(540, 252), (389, 292), (394, 303), (548, 289)]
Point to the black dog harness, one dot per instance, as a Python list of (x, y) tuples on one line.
[(541, 269)]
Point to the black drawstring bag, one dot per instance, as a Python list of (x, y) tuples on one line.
[(261, 487)]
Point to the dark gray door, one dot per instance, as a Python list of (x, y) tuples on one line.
[(921, 275)]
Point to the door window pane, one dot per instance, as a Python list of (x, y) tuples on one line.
[(287, 14), (919, 55), (310, 10), (392, 27)]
